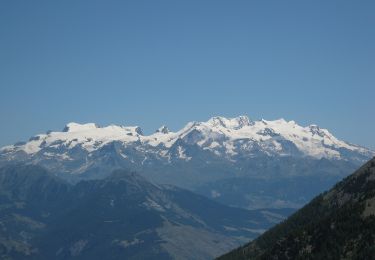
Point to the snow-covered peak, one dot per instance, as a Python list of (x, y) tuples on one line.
[(230, 123), (271, 135), (75, 127), (163, 129), (316, 130), (138, 130)]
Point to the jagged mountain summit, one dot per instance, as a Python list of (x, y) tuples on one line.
[(215, 158), (338, 224)]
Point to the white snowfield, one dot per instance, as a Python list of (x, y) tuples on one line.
[(222, 136)]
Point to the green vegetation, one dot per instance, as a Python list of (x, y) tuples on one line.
[(339, 224)]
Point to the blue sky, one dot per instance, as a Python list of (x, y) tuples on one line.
[(150, 63)]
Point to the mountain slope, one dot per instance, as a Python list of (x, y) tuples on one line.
[(43, 217), (29, 198), (201, 157), (338, 224)]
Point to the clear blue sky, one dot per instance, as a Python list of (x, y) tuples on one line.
[(149, 63)]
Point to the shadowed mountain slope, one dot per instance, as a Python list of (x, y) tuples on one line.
[(121, 216), (338, 224)]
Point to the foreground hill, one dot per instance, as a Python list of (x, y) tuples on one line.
[(338, 224), (209, 157), (120, 217)]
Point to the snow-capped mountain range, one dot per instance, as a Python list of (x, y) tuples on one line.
[(224, 137), (233, 160)]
